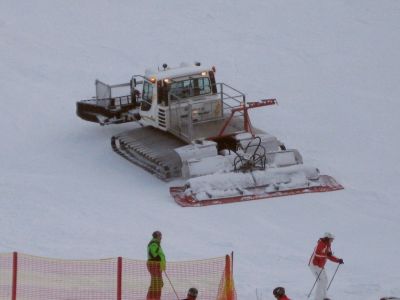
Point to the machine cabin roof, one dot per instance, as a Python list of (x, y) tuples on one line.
[(172, 73)]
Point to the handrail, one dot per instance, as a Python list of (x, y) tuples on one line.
[(112, 102), (227, 85), (120, 85), (231, 99)]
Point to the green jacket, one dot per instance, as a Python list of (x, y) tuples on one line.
[(155, 253)]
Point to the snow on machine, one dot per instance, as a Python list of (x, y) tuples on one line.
[(199, 130)]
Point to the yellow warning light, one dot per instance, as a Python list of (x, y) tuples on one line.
[(152, 79)]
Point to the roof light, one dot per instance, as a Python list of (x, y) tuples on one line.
[(203, 73)]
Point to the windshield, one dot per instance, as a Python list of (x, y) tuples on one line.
[(190, 88)]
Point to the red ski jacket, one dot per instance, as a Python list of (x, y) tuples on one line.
[(284, 298), (321, 253)]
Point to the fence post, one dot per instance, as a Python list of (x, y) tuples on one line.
[(119, 278), (14, 276), (228, 278)]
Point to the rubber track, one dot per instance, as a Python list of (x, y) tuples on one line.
[(151, 149)]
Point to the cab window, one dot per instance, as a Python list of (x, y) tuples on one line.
[(190, 88), (204, 86)]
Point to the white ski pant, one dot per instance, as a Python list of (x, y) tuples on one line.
[(322, 282)]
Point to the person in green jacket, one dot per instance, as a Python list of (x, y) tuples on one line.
[(155, 265)]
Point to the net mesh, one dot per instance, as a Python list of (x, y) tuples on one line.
[(6, 266), (30, 277)]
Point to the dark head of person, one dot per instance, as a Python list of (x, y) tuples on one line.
[(278, 292), (157, 235), (192, 293)]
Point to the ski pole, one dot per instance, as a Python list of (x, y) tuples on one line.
[(258, 295), (333, 276), (309, 294), (177, 297)]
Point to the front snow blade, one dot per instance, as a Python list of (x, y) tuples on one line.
[(326, 184)]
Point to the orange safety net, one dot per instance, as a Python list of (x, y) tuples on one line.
[(24, 277)]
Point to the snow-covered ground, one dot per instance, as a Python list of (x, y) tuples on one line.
[(334, 67)]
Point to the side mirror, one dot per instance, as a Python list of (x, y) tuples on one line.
[(133, 83)]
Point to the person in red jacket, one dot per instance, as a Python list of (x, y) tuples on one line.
[(321, 254), (279, 293)]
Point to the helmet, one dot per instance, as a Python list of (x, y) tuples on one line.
[(328, 235), (192, 292), (156, 234), (279, 291)]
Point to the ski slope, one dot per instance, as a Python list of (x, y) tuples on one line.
[(334, 67)]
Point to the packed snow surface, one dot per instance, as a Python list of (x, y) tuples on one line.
[(334, 67)]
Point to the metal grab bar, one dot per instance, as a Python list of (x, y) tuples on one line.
[(180, 119)]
